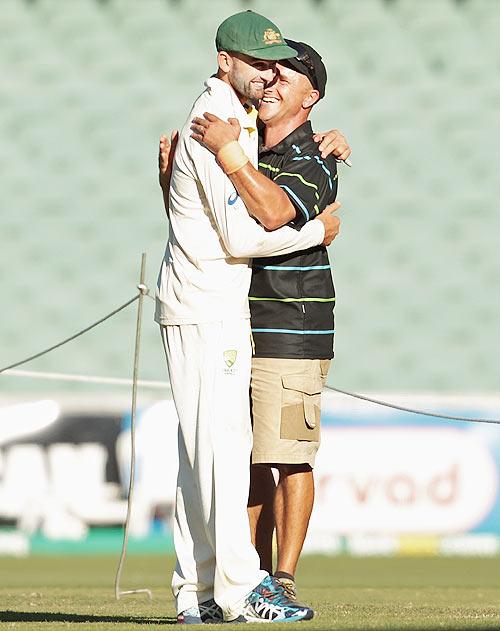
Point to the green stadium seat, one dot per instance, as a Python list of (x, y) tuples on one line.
[(88, 86)]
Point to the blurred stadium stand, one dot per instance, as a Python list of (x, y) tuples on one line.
[(86, 89)]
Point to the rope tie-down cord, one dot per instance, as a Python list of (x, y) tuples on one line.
[(402, 408), (144, 291), (72, 337)]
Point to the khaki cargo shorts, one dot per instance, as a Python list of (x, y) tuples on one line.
[(286, 409)]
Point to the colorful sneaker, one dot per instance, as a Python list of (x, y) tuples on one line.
[(207, 612), (290, 590), (289, 586), (268, 602)]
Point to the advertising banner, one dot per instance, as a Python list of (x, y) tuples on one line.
[(385, 478), (386, 481)]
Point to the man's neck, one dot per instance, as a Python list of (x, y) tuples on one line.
[(223, 77), (274, 134)]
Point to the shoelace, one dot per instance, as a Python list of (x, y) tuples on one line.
[(211, 611), (289, 590), (277, 594)]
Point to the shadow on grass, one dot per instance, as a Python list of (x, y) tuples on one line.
[(49, 616)]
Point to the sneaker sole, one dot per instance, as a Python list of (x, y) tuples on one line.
[(308, 616)]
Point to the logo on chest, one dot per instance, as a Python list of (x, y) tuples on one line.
[(233, 198)]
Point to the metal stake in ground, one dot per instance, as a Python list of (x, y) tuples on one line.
[(143, 292)]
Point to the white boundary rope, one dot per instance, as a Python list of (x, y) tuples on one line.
[(113, 381), (165, 385), (402, 408), (71, 337)]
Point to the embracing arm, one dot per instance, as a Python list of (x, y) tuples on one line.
[(242, 236), (258, 193), (265, 200)]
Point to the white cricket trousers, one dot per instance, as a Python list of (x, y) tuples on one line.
[(209, 366)]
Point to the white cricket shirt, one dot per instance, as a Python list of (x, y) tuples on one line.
[(206, 271)]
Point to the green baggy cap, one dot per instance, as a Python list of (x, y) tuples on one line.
[(254, 35)]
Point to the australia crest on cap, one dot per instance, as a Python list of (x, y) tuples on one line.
[(272, 37)]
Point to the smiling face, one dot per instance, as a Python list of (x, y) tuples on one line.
[(248, 76), (289, 96)]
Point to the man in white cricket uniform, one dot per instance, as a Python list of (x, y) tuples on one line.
[(202, 308)]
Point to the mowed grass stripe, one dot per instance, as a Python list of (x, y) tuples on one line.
[(347, 593)]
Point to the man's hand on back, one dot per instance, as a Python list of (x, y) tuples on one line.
[(166, 153), (331, 222), (213, 133), (333, 142)]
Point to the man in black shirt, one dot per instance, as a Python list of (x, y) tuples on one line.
[(291, 301)]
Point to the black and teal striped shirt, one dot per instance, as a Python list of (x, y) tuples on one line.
[(292, 296)]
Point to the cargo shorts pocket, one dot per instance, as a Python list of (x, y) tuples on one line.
[(300, 407)]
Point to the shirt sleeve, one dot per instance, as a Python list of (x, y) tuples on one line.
[(310, 183), (242, 236)]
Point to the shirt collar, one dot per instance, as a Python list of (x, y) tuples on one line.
[(246, 114), (303, 132), (252, 114)]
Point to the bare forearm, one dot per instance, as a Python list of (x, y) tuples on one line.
[(264, 199), (165, 162), (165, 192), (164, 179)]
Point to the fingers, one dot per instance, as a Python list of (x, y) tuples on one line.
[(200, 122), (327, 139), (199, 125), (331, 132), (330, 236), (331, 222), (334, 146), (331, 208), (333, 143), (318, 137), (164, 142), (333, 230), (198, 130), (211, 117), (166, 150), (163, 154), (344, 155), (168, 145)]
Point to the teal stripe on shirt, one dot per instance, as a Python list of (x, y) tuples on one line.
[(294, 332), (296, 198), (289, 268)]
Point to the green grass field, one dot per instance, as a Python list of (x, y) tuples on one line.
[(347, 593)]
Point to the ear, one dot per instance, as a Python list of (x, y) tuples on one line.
[(310, 99), (225, 61)]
